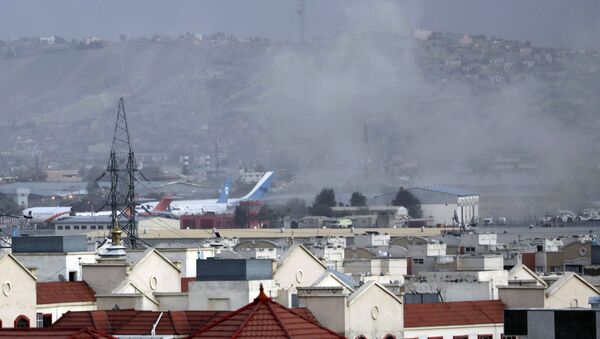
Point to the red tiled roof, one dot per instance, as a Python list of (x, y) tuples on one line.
[(454, 313), (130, 322), (64, 292), (53, 333), (185, 283), (264, 318)]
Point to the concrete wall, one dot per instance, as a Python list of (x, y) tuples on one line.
[(17, 293), (299, 269), (57, 310), (49, 266), (172, 301), (573, 293), (522, 297), (187, 257), (329, 308), (103, 278), (154, 274), (540, 325), (441, 213), (226, 295), (135, 302), (480, 263), (375, 314)]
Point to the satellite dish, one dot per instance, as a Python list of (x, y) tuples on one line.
[(61, 277), (116, 307)]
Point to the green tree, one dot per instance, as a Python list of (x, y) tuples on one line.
[(358, 200), (406, 199), (323, 203), (296, 208), (240, 217), (272, 215)]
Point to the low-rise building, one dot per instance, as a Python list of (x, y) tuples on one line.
[(448, 206), (371, 311), (228, 284), (54, 258), (570, 290), (57, 298), (454, 320), (17, 294)]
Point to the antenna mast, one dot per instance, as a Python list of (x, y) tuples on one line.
[(301, 19)]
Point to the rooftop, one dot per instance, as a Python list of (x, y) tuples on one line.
[(446, 190), (131, 322), (64, 292), (454, 313), (264, 318), (52, 333)]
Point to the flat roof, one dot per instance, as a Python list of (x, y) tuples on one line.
[(169, 228)]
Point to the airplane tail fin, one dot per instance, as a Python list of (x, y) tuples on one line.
[(224, 196), (163, 204), (260, 190)]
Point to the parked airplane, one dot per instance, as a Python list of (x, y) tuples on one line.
[(39, 215), (183, 207)]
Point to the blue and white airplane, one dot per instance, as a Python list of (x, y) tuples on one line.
[(223, 203)]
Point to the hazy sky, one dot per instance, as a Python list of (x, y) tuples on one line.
[(572, 23)]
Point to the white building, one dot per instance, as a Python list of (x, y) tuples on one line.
[(448, 206)]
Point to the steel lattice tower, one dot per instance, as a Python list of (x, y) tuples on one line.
[(122, 168)]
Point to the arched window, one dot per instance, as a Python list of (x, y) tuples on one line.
[(22, 322), (361, 337), (389, 336)]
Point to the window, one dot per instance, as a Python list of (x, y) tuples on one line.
[(72, 275), (59, 227), (100, 227), (76, 227), (460, 337), (93, 227), (43, 320), (469, 249), (47, 320), (361, 337), (435, 337), (21, 322), (67, 227), (418, 261), (485, 336), (389, 336), (84, 227)]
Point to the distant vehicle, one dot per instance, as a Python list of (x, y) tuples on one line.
[(488, 221), (501, 221), (565, 216), (547, 220), (588, 214)]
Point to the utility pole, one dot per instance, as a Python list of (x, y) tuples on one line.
[(301, 20), (366, 150), (122, 168), (217, 162)]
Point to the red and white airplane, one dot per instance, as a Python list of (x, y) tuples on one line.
[(40, 215)]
